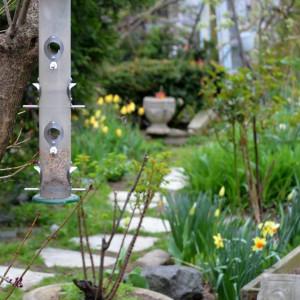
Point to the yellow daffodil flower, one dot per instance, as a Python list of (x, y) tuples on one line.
[(217, 213), (86, 123), (104, 129), (100, 101), (268, 228), (108, 98), (222, 191), (92, 120), (160, 203), (128, 109), (96, 125), (84, 112), (141, 111), (103, 118), (132, 106), (192, 210), (218, 241), (97, 113), (126, 222), (116, 99), (119, 132), (123, 110), (259, 244)]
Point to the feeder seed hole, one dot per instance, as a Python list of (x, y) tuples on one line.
[(53, 133), (54, 48)]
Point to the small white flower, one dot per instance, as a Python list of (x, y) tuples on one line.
[(282, 126)]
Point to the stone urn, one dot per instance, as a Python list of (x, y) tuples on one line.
[(159, 111)]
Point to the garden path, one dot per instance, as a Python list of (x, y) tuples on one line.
[(175, 180)]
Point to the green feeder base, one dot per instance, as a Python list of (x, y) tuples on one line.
[(38, 199)]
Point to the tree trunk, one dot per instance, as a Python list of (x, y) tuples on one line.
[(18, 54)]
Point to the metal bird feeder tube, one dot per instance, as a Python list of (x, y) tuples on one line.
[(55, 102)]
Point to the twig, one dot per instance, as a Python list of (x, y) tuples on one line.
[(21, 246), (11, 30), (88, 243), (50, 238), (81, 244), (23, 13), (19, 169), (8, 16)]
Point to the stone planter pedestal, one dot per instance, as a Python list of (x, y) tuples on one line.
[(50, 292), (159, 112), (278, 282)]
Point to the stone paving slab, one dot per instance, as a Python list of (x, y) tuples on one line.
[(142, 242), (122, 196), (175, 180), (68, 258), (30, 279), (129, 208), (152, 225)]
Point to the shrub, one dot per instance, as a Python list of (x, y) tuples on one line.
[(143, 77)]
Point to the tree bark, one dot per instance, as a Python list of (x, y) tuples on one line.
[(18, 54)]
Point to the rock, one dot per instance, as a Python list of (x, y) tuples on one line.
[(30, 279), (177, 282), (201, 120), (53, 228), (8, 234), (154, 258), (149, 224), (175, 180), (21, 198)]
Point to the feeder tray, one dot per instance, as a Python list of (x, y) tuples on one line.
[(38, 199)]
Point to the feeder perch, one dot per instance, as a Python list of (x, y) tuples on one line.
[(55, 103)]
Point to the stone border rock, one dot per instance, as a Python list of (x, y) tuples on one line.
[(49, 292)]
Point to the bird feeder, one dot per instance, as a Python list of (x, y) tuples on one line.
[(55, 103)]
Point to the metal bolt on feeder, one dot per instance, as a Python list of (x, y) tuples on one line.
[(55, 103)]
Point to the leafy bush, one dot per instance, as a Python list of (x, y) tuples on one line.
[(143, 77), (230, 250), (212, 166)]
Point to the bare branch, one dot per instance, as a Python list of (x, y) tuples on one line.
[(8, 16), (138, 20), (23, 14), (12, 29)]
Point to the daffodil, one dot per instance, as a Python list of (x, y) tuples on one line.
[(116, 99), (119, 132), (108, 98), (141, 111), (97, 113), (126, 222), (218, 241), (123, 110), (259, 244), (92, 120), (268, 228), (128, 109), (290, 196), (192, 210), (160, 203), (96, 125), (100, 101), (222, 191), (217, 213), (103, 118), (86, 123), (132, 106), (104, 129)]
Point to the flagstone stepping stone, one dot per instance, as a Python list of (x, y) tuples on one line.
[(153, 225), (175, 180), (122, 196), (68, 258), (142, 242), (129, 208), (30, 278)]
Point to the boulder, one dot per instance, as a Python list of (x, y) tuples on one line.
[(201, 121), (154, 258), (177, 282)]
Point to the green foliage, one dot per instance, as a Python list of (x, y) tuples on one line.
[(144, 77), (114, 167), (136, 279), (195, 226)]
